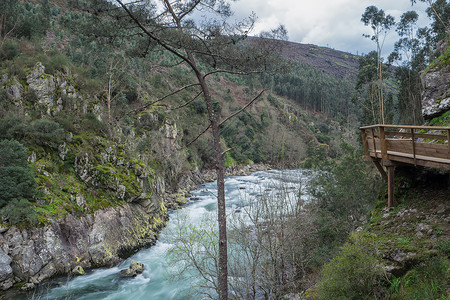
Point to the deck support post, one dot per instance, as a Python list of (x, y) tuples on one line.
[(391, 170)]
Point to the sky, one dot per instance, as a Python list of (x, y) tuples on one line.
[(330, 23)]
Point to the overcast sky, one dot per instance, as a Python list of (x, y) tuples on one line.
[(330, 23)]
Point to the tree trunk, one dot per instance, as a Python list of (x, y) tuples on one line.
[(221, 212)]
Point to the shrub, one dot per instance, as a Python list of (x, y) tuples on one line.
[(90, 122), (16, 179), (47, 133), (20, 212), (355, 273), (9, 50), (12, 127)]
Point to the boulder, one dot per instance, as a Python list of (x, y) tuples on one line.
[(134, 269), (78, 270)]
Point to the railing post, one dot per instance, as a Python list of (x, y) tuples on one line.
[(365, 143), (383, 143), (448, 142), (413, 146), (373, 142)]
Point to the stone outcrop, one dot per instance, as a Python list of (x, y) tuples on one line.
[(102, 239), (436, 85), (134, 269)]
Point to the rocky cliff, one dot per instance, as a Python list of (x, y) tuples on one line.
[(102, 191), (436, 84)]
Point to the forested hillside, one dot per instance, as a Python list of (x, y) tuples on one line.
[(109, 117)]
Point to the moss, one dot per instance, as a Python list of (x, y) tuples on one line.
[(440, 62), (442, 120)]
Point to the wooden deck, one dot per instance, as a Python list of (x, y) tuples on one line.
[(391, 145)]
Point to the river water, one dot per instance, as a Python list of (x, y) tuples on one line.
[(155, 282)]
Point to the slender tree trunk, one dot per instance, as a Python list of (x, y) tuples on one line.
[(221, 212)]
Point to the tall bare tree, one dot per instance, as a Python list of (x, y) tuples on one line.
[(199, 35), (380, 24)]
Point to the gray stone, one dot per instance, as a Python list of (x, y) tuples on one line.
[(134, 269), (43, 85), (5, 268), (78, 271), (14, 90), (436, 95)]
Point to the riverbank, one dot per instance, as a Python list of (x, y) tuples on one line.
[(29, 257)]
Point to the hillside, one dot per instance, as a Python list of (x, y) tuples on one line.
[(401, 253), (337, 63), (94, 158)]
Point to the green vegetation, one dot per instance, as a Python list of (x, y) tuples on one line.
[(356, 273), (17, 184)]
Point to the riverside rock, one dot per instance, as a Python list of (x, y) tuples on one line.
[(134, 269)]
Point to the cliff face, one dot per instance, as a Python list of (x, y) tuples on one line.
[(100, 239), (436, 84), (102, 192)]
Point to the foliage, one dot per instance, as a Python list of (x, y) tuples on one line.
[(343, 192), (429, 280), (46, 133), (20, 211), (16, 179), (355, 273)]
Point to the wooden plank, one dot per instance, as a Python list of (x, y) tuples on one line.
[(404, 146), (417, 135), (407, 127), (422, 157)]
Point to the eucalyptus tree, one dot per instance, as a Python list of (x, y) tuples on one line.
[(408, 50), (439, 11), (200, 36), (380, 24)]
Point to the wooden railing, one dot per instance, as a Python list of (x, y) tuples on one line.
[(418, 145)]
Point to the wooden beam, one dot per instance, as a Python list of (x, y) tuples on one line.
[(391, 170), (365, 143), (377, 164)]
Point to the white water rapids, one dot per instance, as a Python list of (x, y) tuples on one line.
[(154, 283)]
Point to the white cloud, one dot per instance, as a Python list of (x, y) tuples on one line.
[(333, 23)]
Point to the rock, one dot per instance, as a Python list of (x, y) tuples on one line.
[(134, 269), (43, 85), (436, 94), (14, 90), (423, 227), (5, 269), (28, 286), (78, 271)]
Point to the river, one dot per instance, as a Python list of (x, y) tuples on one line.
[(155, 282)]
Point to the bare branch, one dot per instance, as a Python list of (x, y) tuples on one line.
[(6, 34), (199, 135), (223, 153), (226, 119), (194, 5), (189, 102), (231, 72), (164, 97), (152, 36), (239, 111)]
